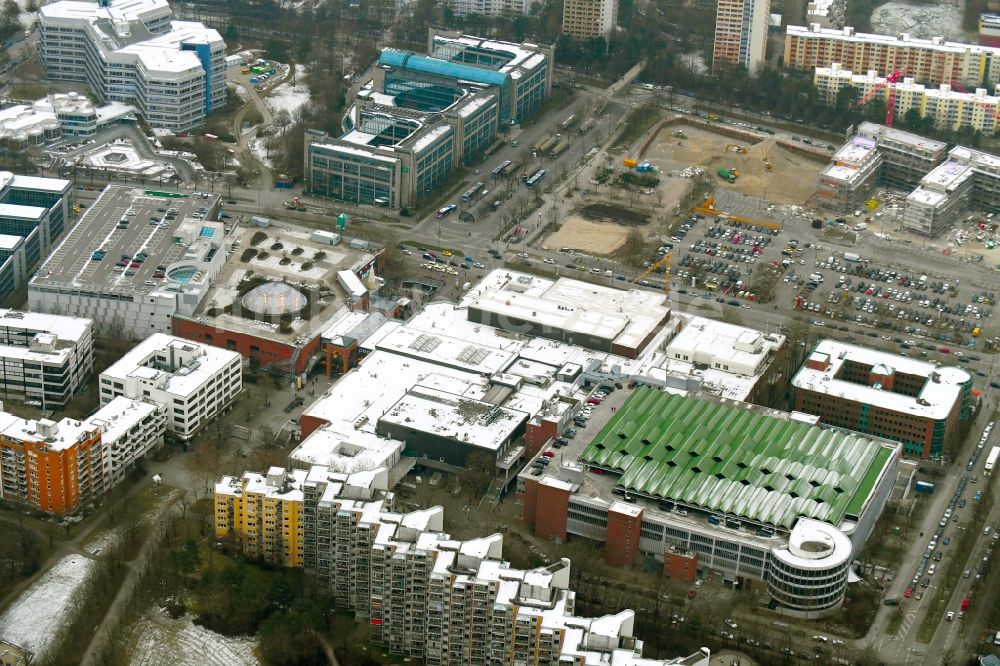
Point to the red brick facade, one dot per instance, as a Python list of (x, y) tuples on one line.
[(310, 423), (680, 565), (622, 545), (537, 434), (262, 349), (546, 509)]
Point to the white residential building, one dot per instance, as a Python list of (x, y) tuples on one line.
[(930, 61), (969, 178), (493, 8), (424, 595), (44, 359), (129, 51), (950, 109), (194, 381), (129, 429)]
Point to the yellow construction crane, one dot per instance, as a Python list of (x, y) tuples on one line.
[(663, 261), (708, 208)]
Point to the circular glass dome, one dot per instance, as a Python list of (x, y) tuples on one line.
[(182, 274), (274, 298)]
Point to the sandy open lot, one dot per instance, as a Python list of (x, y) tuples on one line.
[(792, 179), (597, 238)]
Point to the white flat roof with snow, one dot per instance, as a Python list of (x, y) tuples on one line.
[(118, 416), (429, 137), (23, 212), (626, 317), (186, 379), (943, 387), (438, 412), (346, 450)]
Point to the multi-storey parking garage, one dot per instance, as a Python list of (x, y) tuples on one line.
[(722, 487)]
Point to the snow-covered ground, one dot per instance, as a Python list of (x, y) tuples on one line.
[(41, 613), (290, 97), (241, 92), (99, 545), (256, 147), (162, 640)]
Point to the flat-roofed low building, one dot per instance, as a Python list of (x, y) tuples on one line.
[(272, 305), (440, 425), (44, 359), (194, 381), (736, 349), (133, 260), (613, 320), (886, 395), (55, 116)]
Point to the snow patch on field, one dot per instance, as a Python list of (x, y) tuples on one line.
[(41, 613), (100, 544), (288, 97), (163, 640), (259, 151)]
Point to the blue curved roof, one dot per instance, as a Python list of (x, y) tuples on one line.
[(427, 65)]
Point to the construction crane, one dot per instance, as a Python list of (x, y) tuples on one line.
[(890, 82), (663, 261), (708, 208)]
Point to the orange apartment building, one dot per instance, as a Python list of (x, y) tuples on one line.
[(928, 61), (741, 34), (53, 467)]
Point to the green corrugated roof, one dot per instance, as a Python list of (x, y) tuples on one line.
[(737, 461)]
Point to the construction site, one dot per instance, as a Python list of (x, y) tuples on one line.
[(765, 169)]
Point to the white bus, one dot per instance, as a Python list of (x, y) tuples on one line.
[(991, 461), (472, 191)]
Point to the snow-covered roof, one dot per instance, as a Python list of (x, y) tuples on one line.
[(935, 400), (187, 366), (443, 414)]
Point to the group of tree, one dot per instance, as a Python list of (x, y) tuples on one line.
[(9, 23), (240, 599)]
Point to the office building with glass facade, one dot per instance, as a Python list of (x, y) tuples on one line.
[(33, 215), (421, 116)]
